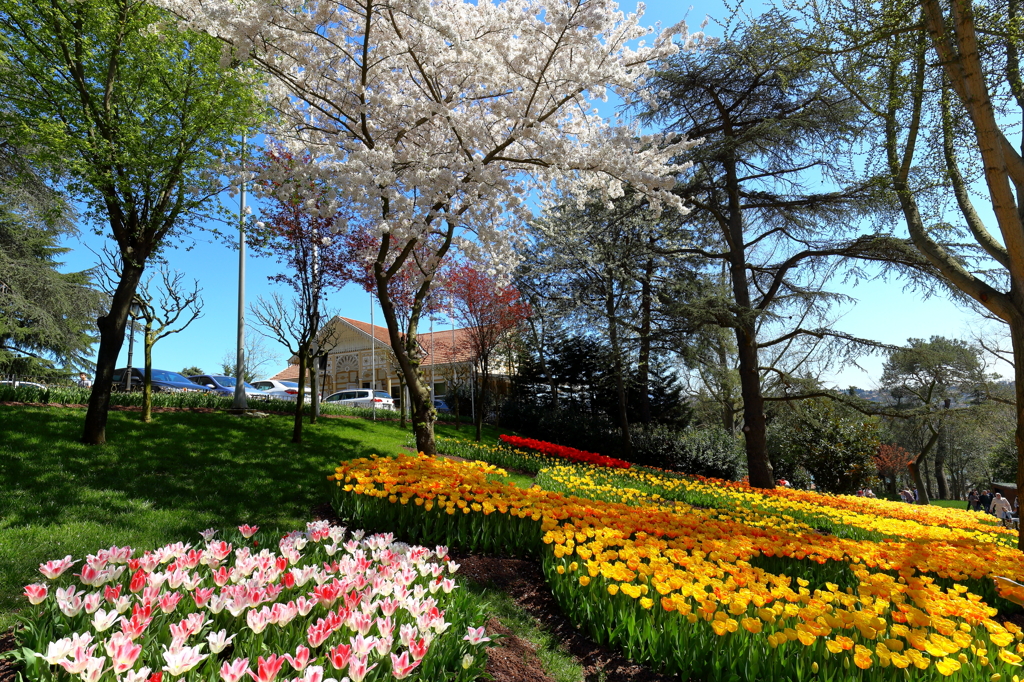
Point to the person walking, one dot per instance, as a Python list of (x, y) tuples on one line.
[(985, 500), (1002, 509), (973, 501)]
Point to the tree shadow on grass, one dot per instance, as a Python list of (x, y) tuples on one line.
[(241, 470)]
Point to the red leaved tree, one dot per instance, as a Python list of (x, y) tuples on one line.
[(490, 312), (892, 462)]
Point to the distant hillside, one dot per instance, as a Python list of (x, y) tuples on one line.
[(879, 396)]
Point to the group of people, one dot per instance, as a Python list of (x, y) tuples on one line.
[(996, 504), (909, 496), (866, 492)]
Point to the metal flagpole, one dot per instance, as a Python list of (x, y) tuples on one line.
[(240, 402)]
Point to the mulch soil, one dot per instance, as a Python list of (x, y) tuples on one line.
[(515, 659), (7, 669)]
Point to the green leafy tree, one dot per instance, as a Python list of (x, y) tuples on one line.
[(1003, 461), (191, 371), (925, 380), (834, 444), (940, 83), (135, 115)]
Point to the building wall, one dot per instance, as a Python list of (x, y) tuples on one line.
[(350, 365)]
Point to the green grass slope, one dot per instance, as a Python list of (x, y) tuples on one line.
[(161, 482)]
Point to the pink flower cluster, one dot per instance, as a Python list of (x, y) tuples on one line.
[(564, 452), (338, 601)]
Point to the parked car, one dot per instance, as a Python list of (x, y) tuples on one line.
[(27, 384), (225, 386), (441, 406), (162, 381), (362, 397), (282, 390)]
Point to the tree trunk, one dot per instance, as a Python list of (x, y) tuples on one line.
[(754, 424), (423, 425), (314, 405), (941, 484), (300, 402), (917, 469), (1017, 339), (915, 475), (111, 326), (407, 355), (485, 369), (147, 377), (754, 427), (644, 360), (620, 383)]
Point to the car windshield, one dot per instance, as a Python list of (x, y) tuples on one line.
[(381, 394), (161, 375), (229, 382), (290, 384)]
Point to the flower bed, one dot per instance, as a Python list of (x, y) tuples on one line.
[(710, 597), (842, 515), (564, 452), (326, 603), (502, 456)]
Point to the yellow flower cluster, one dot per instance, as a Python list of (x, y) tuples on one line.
[(874, 518), (704, 568)]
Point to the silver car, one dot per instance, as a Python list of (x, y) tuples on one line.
[(362, 397), (282, 390)]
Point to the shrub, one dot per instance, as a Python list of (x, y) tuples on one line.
[(836, 446), (705, 451), (571, 425)]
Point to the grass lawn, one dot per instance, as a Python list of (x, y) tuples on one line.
[(951, 504), (161, 482)]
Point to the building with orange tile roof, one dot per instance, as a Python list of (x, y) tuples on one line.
[(355, 346)]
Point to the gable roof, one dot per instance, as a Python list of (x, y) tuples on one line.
[(448, 347)]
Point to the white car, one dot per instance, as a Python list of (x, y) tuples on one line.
[(282, 390), (362, 397), (25, 384)]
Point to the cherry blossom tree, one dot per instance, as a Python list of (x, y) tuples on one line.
[(435, 120)]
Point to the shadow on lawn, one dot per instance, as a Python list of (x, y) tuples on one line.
[(236, 468)]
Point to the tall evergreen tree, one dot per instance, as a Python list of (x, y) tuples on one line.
[(46, 316), (773, 206)]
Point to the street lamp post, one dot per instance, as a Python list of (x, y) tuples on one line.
[(373, 363), (240, 402)]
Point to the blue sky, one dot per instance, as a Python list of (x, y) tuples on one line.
[(883, 310)]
